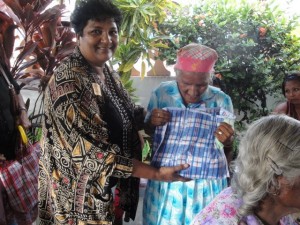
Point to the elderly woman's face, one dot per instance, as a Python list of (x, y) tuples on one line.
[(292, 91), (192, 85), (99, 41), (289, 195)]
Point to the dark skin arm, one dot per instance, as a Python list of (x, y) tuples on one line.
[(23, 117), (167, 174)]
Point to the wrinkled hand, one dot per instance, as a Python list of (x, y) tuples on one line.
[(160, 117), (24, 121), (169, 174), (224, 133)]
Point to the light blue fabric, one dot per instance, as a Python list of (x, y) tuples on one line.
[(177, 203), (167, 95)]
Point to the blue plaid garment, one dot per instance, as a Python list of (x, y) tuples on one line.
[(189, 138)]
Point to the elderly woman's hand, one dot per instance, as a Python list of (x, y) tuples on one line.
[(224, 134), (160, 117), (24, 121)]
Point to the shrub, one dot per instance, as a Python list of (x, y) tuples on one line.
[(255, 43)]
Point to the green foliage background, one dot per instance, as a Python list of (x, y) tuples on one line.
[(255, 43)]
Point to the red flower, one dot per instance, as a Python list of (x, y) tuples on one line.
[(100, 155), (262, 31)]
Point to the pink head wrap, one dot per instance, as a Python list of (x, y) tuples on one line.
[(196, 58)]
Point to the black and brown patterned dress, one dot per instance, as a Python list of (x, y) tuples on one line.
[(89, 140)]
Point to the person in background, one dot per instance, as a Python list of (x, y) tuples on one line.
[(9, 141), (265, 187), (90, 138), (291, 90), (191, 89)]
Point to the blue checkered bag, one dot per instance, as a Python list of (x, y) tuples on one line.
[(189, 138)]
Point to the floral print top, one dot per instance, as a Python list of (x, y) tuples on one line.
[(223, 211)]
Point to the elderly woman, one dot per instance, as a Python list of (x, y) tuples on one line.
[(177, 203), (90, 134), (291, 90), (265, 187)]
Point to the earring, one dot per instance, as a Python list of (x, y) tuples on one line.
[(273, 190), (276, 192)]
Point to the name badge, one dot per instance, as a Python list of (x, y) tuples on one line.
[(97, 89)]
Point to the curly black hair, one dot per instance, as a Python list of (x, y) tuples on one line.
[(289, 77), (99, 10)]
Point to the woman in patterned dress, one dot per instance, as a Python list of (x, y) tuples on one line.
[(265, 189), (90, 130)]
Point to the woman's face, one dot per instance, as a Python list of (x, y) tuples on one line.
[(99, 41), (292, 91), (289, 195), (192, 85)]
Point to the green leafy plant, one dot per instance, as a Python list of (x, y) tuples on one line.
[(33, 33), (139, 32), (255, 43), (139, 35), (43, 40)]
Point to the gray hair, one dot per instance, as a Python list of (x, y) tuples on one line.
[(269, 148), (178, 72)]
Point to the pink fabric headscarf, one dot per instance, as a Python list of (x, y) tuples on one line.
[(196, 58)]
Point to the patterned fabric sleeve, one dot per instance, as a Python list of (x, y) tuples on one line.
[(221, 211)]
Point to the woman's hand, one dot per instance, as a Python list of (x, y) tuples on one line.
[(160, 117), (24, 121), (23, 117), (169, 174), (224, 134)]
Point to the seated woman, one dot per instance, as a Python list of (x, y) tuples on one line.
[(291, 90), (265, 188)]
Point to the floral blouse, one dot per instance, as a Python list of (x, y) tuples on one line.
[(223, 211)]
